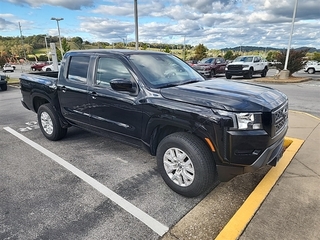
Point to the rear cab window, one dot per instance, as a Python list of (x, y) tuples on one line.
[(78, 69)]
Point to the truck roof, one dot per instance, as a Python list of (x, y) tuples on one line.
[(115, 51)]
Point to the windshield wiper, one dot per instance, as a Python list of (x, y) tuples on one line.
[(190, 81)]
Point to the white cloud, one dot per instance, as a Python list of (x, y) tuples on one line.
[(215, 23), (73, 5)]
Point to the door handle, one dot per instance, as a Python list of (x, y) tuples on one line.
[(63, 89), (94, 95)]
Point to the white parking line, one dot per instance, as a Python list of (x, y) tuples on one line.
[(152, 223)]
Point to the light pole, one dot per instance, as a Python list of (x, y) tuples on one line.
[(59, 19), (284, 74), (45, 39)]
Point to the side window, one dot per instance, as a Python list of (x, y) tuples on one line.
[(78, 68), (110, 68)]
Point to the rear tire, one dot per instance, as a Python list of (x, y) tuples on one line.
[(264, 72), (49, 123), (186, 164)]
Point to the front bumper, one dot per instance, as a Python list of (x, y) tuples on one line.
[(204, 72), (270, 156), (237, 72)]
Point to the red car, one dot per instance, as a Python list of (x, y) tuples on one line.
[(38, 66)]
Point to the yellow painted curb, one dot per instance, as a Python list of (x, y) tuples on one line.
[(234, 228)]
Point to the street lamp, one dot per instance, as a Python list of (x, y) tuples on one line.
[(47, 52), (59, 19)]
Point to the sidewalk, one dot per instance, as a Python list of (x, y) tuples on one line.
[(292, 208), (284, 205)]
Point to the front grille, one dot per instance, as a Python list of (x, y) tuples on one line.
[(280, 118), (234, 67)]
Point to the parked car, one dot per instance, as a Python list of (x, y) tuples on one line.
[(192, 62), (50, 67), (209, 67), (8, 68), (247, 66), (197, 129), (38, 66), (312, 67), (3, 82)]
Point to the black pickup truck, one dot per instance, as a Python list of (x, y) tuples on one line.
[(197, 129)]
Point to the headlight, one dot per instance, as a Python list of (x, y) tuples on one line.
[(245, 66), (248, 121)]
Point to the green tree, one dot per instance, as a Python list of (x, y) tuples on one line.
[(295, 62), (78, 42), (65, 45), (200, 51), (272, 55), (144, 46), (316, 56), (167, 50), (228, 55)]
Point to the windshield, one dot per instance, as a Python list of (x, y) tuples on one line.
[(164, 70), (207, 60), (243, 59)]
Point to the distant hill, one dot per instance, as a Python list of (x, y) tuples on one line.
[(253, 48)]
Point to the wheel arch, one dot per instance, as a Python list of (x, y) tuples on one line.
[(161, 130), (39, 100)]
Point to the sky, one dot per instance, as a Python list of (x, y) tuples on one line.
[(215, 23)]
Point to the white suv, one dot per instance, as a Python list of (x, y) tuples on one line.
[(312, 67), (247, 66)]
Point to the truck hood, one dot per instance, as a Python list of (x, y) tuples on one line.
[(226, 95), (239, 63), (201, 65)]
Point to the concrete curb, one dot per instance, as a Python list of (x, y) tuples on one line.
[(290, 80), (234, 228)]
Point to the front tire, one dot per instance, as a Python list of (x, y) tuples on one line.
[(4, 87), (212, 73), (49, 123), (311, 70), (185, 164), (228, 76), (249, 74)]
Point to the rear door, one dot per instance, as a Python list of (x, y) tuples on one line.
[(73, 90)]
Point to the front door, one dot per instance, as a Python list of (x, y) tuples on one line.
[(113, 111)]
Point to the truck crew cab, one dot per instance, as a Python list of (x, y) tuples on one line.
[(196, 128)]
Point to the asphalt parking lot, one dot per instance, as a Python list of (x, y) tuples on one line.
[(86, 186), (89, 187)]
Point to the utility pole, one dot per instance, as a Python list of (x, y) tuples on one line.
[(22, 44)]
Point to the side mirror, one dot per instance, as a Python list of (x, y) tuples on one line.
[(122, 85)]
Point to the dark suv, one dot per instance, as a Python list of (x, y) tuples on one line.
[(3, 82)]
